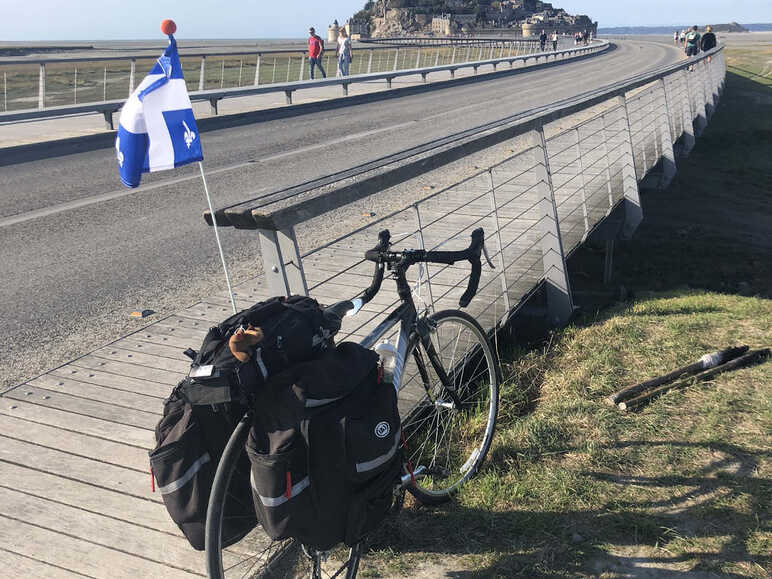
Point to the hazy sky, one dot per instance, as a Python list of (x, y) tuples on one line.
[(127, 19)]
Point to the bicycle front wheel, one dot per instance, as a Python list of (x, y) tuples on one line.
[(448, 434), (228, 515)]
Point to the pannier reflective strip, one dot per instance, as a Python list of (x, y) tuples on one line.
[(176, 485), (383, 459), (314, 402), (260, 363), (297, 488)]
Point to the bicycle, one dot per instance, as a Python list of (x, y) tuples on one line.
[(448, 406)]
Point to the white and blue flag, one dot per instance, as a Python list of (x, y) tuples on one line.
[(157, 129)]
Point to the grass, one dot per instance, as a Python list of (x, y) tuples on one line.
[(576, 488)]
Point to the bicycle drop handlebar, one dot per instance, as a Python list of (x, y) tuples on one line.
[(382, 257)]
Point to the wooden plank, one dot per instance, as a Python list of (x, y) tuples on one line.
[(147, 543), (157, 334), (78, 555), (131, 435), (133, 344), (75, 443), (152, 404), (77, 468), (14, 565), (109, 380), (85, 407), (118, 354), (88, 497), (181, 322), (132, 370)]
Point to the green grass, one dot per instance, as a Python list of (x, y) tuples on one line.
[(576, 488)]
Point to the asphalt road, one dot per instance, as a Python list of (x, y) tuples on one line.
[(79, 251)]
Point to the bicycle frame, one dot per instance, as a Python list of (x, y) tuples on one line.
[(406, 315)]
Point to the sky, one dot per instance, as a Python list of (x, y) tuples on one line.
[(139, 19)]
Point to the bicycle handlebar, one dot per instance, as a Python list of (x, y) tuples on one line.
[(381, 255)]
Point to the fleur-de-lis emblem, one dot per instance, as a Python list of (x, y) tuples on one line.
[(190, 136), (118, 152)]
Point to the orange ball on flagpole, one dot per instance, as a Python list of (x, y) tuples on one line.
[(168, 27)]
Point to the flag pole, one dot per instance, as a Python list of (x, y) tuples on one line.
[(217, 236)]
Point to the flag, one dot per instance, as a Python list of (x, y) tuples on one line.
[(157, 129)]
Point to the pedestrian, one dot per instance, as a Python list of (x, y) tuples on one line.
[(692, 42), (315, 49), (542, 40), (708, 41), (344, 52), (555, 40), (682, 37), (675, 37)]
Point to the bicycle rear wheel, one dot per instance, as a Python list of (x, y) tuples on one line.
[(256, 553), (447, 436)]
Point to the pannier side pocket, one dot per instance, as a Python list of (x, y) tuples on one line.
[(184, 471), (373, 439), (281, 491)]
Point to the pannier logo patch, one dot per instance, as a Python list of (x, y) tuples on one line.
[(382, 429)]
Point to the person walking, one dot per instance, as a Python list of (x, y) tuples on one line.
[(315, 49), (708, 41), (542, 40), (675, 37), (555, 40), (344, 52), (682, 37)]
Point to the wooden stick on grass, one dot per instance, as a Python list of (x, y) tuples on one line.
[(753, 356), (707, 361)]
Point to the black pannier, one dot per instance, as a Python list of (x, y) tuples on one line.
[(325, 449), (202, 411)]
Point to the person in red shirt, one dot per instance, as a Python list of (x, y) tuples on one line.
[(315, 48)]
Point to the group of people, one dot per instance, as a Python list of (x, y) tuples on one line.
[(582, 38), (316, 50), (693, 42)]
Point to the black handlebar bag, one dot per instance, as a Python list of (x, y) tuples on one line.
[(325, 450)]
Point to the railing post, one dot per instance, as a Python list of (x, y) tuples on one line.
[(396, 58), (608, 164), (74, 88), (222, 73), (132, 75), (560, 305), (202, 76), (666, 142), (453, 58), (424, 267), (687, 116), (370, 62), (499, 247), (633, 210), (42, 87), (437, 58), (302, 66), (700, 116), (104, 86), (418, 58), (282, 264), (257, 69), (582, 182)]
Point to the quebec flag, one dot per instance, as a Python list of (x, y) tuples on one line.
[(157, 129)]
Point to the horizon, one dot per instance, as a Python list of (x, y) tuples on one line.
[(116, 20)]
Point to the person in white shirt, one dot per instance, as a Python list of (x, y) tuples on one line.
[(554, 40), (344, 52)]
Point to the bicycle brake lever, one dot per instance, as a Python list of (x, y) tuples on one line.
[(487, 257)]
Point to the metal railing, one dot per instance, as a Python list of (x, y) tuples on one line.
[(267, 75), (580, 161)]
